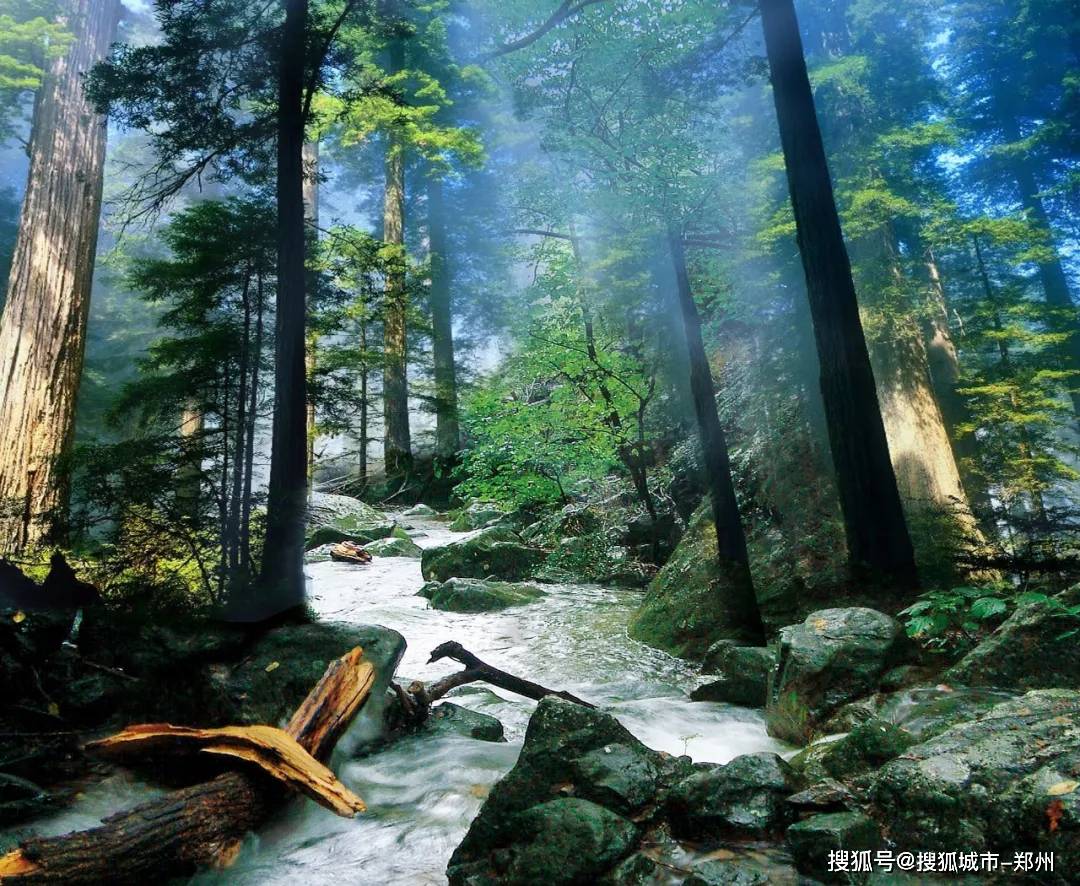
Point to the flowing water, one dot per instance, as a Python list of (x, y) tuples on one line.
[(423, 791)]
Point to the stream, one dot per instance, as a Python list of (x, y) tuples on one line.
[(422, 792)]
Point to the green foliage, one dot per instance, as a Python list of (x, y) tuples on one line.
[(30, 36)]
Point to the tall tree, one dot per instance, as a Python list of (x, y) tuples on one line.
[(447, 433), (43, 327), (878, 540), (311, 215), (282, 573)]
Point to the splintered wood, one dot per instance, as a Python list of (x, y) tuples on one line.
[(202, 825)]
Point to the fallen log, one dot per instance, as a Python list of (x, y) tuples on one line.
[(273, 750), (417, 699), (197, 826)]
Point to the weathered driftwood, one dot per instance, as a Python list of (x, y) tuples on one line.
[(417, 699), (349, 552), (197, 826), (273, 750)]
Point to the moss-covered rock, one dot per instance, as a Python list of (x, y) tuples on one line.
[(492, 553), (810, 841), (1034, 649), (833, 657), (394, 547), (421, 510), (1007, 781), (451, 719), (868, 746), (347, 529), (476, 516), (743, 672), (686, 609), (571, 753), (476, 595), (741, 799)]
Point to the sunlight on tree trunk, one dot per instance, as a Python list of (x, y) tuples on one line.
[(43, 327)]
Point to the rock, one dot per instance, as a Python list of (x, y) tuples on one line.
[(827, 795), (867, 746), (475, 595), (567, 841), (476, 516), (281, 667), (421, 510), (1007, 781), (741, 799), (325, 509), (580, 755), (811, 840), (492, 553), (744, 673), (347, 529), (833, 657), (686, 609), (394, 547), (727, 873), (1035, 648), (451, 719)]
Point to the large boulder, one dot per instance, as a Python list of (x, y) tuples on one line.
[(832, 658), (868, 746), (686, 609), (337, 518), (743, 672), (476, 516), (812, 840), (477, 595), (1035, 648), (564, 813), (493, 553), (743, 799), (1008, 781), (451, 719)]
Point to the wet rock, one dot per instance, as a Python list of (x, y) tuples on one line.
[(279, 670), (1035, 648), (741, 799), (421, 510), (827, 795), (476, 516), (579, 755), (22, 800), (475, 595), (811, 840), (868, 746), (727, 873), (347, 529), (833, 657), (451, 719), (743, 671), (394, 547), (686, 609), (492, 553), (1007, 781), (325, 509)]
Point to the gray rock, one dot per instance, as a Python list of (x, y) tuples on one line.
[(811, 840), (833, 657), (451, 719), (421, 510), (868, 746), (492, 553), (743, 671), (741, 799), (475, 516), (1035, 648), (1007, 781)]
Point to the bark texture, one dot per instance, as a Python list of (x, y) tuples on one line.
[(730, 539), (311, 216), (197, 826), (447, 432), (879, 545), (43, 327), (282, 574)]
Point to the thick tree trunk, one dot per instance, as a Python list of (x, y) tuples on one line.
[(311, 215), (447, 433), (397, 445), (43, 327), (730, 539), (198, 826), (249, 436), (282, 574), (879, 546)]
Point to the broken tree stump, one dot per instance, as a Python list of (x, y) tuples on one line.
[(197, 826)]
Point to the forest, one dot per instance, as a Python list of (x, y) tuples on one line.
[(567, 441)]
